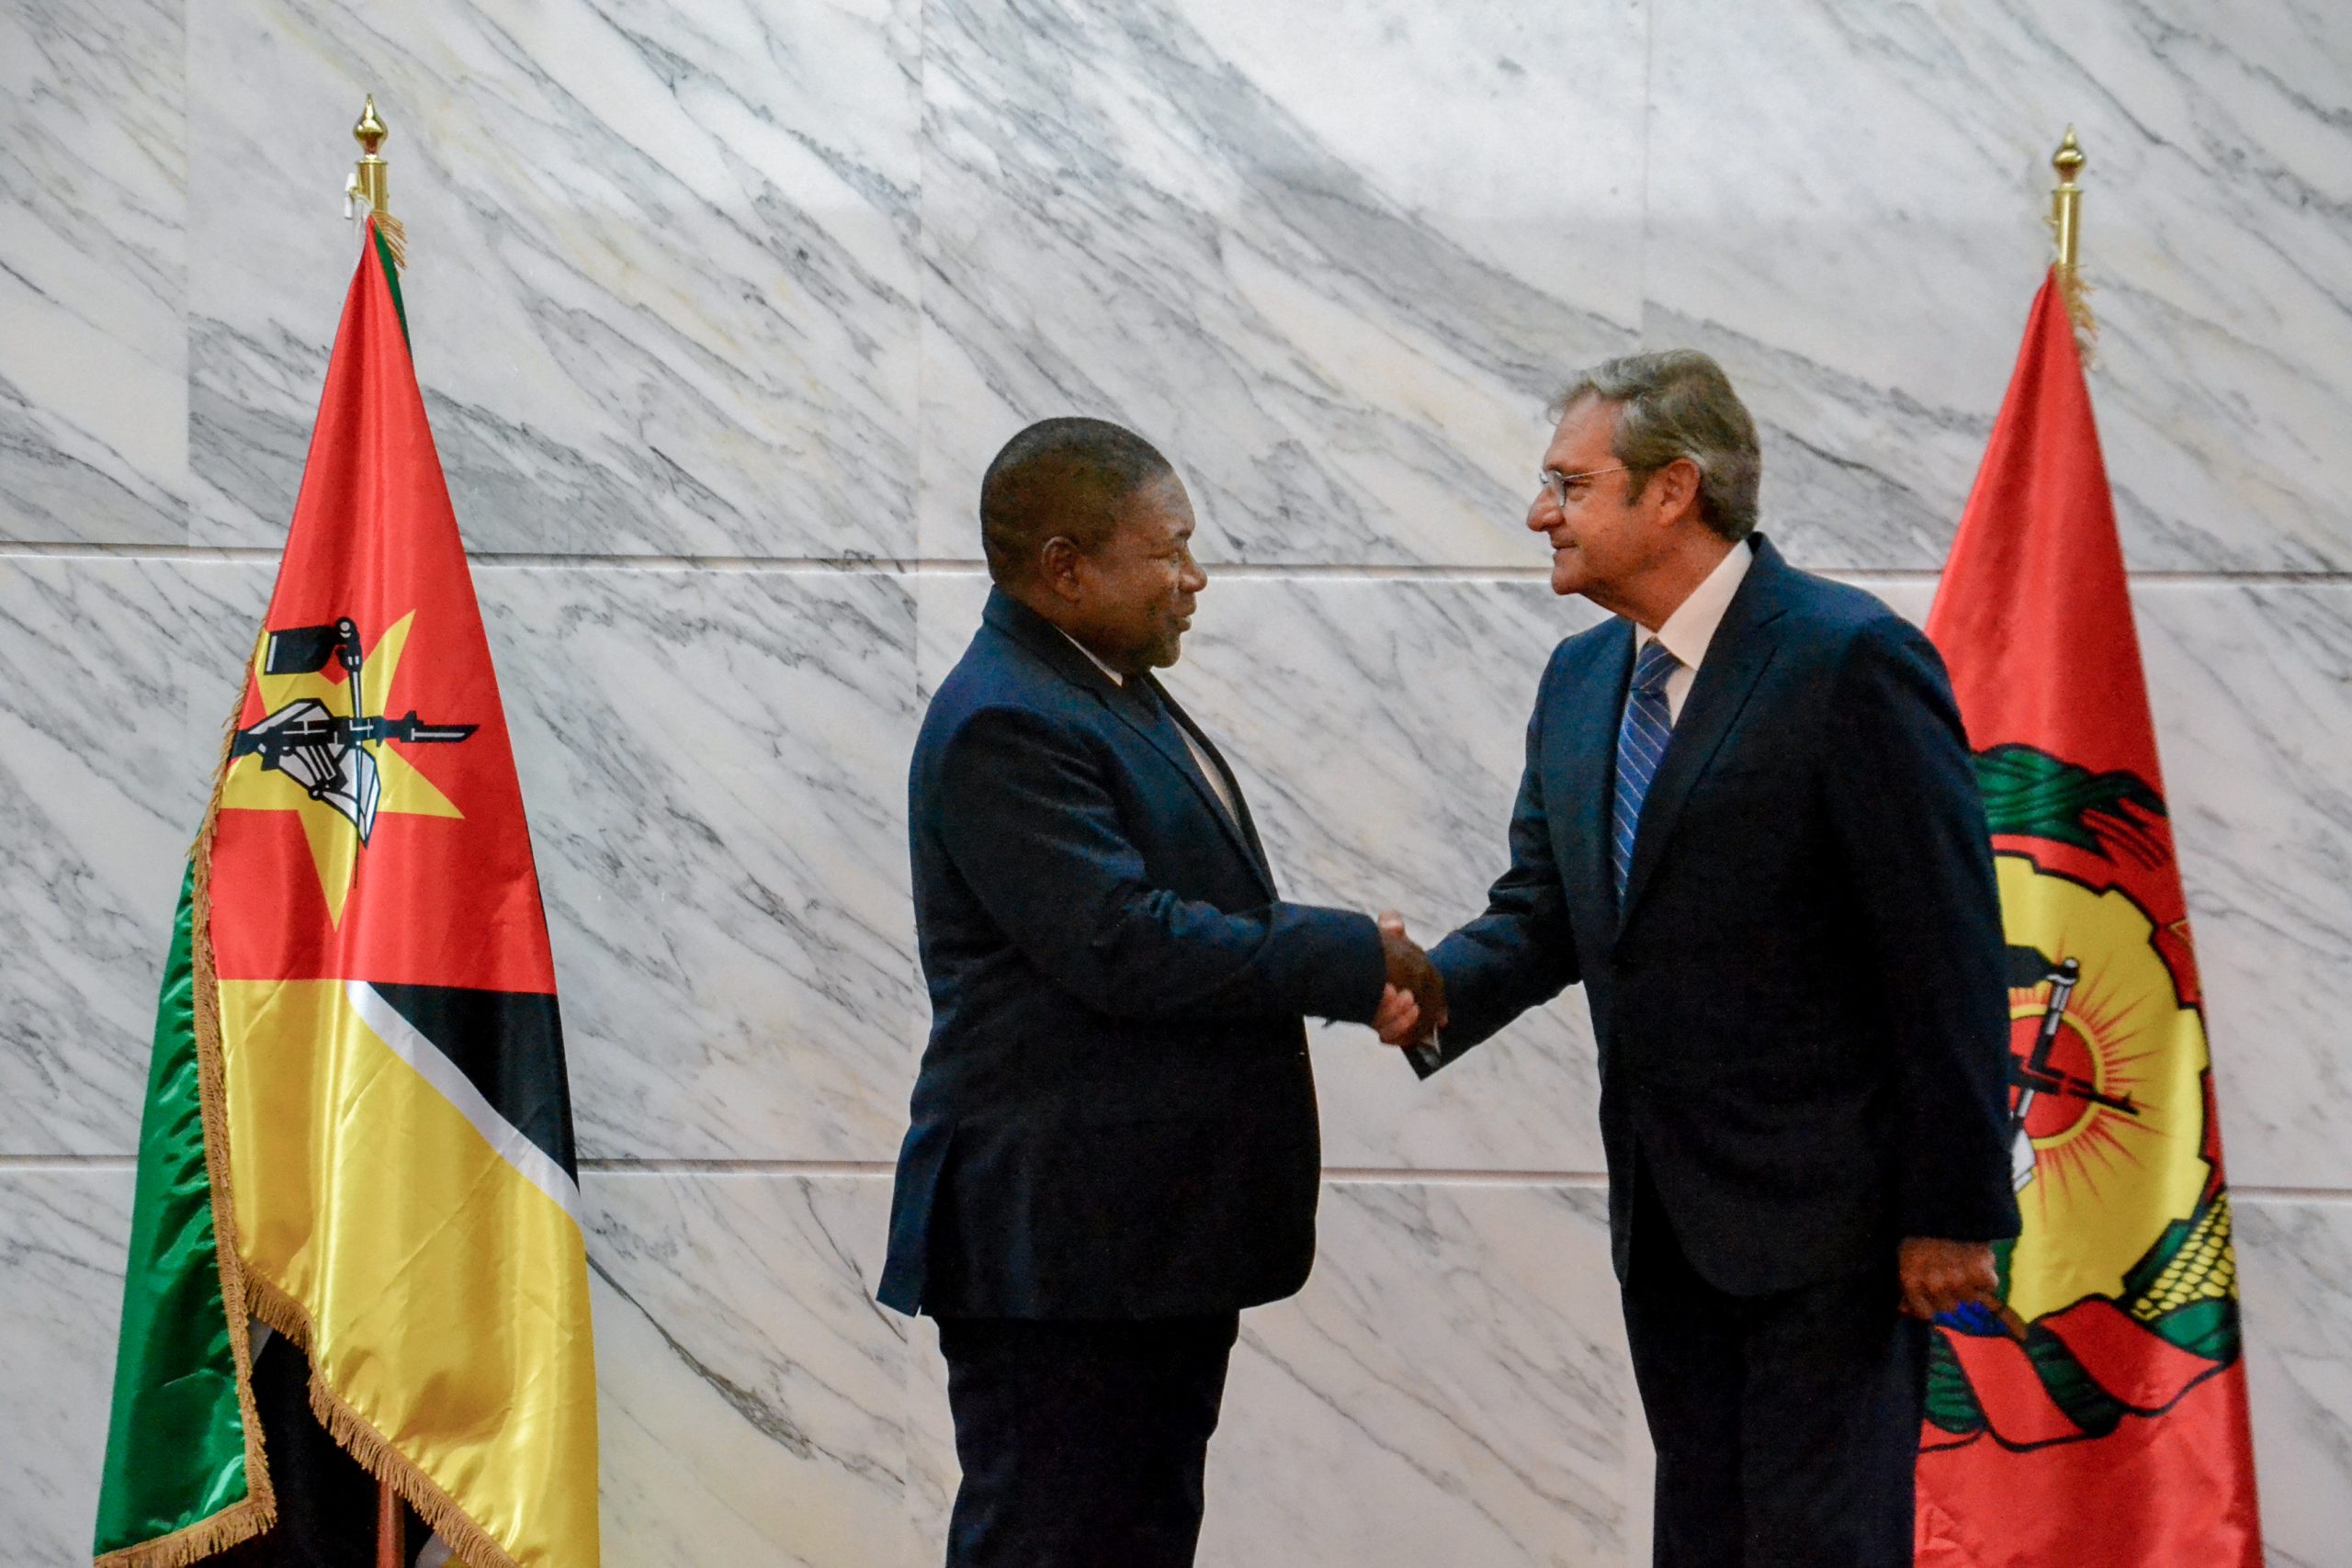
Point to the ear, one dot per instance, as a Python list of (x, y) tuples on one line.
[(1678, 489), (1057, 568)]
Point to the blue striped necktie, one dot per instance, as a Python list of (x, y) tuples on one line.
[(1642, 735)]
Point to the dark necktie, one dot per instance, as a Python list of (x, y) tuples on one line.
[(1642, 735)]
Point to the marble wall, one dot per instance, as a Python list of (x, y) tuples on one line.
[(721, 304)]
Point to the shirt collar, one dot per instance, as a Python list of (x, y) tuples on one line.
[(1117, 679), (1692, 626)]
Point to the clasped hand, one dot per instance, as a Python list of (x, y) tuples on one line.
[(1412, 1008)]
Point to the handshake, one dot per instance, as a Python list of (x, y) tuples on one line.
[(1412, 1007)]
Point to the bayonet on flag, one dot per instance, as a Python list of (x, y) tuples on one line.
[(358, 1133), (2098, 1420)]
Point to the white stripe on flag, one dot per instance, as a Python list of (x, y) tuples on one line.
[(528, 1159)]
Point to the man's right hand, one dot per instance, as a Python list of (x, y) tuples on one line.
[(1410, 972)]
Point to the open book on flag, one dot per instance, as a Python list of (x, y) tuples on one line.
[(357, 1247)]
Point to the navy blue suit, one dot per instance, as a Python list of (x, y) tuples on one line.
[(1114, 1116), (1113, 1145), (1802, 1018)]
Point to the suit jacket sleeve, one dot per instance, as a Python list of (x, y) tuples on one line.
[(1905, 804), (1026, 815), (1521, 952)]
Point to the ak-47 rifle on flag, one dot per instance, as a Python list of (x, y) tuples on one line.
[(357, 1283), (2098, 1419)]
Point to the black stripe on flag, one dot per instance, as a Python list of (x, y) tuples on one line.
[(510, 1046)]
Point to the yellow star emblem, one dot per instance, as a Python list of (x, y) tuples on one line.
[(333, 839)]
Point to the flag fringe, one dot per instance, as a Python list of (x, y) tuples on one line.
[(212, 1106), (232, 1526), (472, 1545), (2075, 295), (249, 1295)]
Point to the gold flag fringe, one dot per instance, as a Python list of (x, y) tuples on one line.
[(249, 1295), (258, 1512), (395, 234), (232, 1526), (472, 1545), (2075, 295)]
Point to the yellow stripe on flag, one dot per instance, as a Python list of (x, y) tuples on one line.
[(441, 1292)]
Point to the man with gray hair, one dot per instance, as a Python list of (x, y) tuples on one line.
[(1749, 826)]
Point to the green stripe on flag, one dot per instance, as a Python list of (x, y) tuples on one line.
[(391, 280), (175, 1446)]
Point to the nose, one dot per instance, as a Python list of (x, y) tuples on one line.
[(1194, 578), (1542, 515)]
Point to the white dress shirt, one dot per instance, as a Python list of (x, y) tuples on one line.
[(1210, 773), (1692, 626)]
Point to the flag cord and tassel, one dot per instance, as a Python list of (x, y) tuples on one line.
[(367, 192), (2066, 227)]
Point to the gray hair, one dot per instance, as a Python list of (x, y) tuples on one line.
[(1679, 403)]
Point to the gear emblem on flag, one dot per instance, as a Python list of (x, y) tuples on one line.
[(2113, 1301)]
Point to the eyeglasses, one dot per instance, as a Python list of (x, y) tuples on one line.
[(1555, 483)]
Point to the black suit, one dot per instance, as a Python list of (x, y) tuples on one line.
[(1801, 1016), (1114, 1118)]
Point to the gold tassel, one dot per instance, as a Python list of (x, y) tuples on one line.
[(2075, 295), (395, 234)]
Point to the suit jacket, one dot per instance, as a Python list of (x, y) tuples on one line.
[(1115, 1117), (1801, 1008)]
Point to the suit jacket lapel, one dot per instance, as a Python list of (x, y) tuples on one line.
[(1743, 645), (1244, 830), (1045, 640), (1580, 788)]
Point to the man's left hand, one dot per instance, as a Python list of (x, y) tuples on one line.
[(1940, 1275)]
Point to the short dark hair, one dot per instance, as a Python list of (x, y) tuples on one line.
[(1068, 476), (1679, 403)]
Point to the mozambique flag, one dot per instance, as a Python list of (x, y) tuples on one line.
[(358, 1142), (2099, 1419)]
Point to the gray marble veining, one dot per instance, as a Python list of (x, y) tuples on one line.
[(103, 775), (1844, 204), (62, 1232), (752, 1393), (2252, 688), (661, 269), (93, 441), (1341, 319), (2295, 1265), (715, 767)]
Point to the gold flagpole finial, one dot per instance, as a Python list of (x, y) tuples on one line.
[(370, 181), (2066, 228), (2066, 199)]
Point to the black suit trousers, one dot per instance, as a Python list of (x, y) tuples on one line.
[(1082, 1443), (1787, 1424)]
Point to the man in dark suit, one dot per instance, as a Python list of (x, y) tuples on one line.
[(1114, 1144), (1749, 825)]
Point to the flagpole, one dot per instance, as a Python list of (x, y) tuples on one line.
[(2066, 230), (370, 183)]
